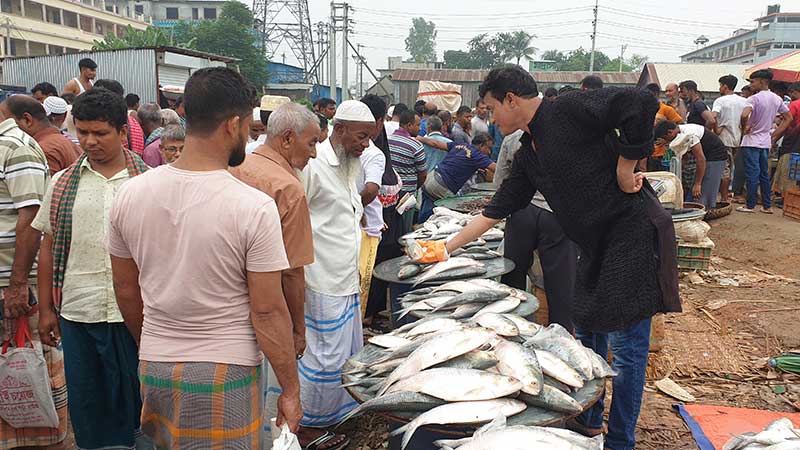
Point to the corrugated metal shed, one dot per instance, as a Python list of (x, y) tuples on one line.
[(706, 75)]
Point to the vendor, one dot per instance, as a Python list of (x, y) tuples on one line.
[(580, 151), (703, 161), (459, 165)]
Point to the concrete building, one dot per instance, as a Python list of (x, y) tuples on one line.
[(166, 13), (776, 34), (53, 27)]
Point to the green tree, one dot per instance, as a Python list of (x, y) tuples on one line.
[(484, 52), (421, 40), (232, 35), (151, 37), (516, 45), (457, 59)]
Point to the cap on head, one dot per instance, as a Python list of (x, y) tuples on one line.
[(354, 111), (54, 105), (272, 102)]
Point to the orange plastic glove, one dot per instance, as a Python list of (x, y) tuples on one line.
[(427, 252)]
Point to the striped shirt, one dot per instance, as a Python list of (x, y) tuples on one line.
[(23, 182), (408, 158)]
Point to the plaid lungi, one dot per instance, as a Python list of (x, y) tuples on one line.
[(54, 357), (201, 405)]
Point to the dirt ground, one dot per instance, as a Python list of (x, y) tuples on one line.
[(737, 315)]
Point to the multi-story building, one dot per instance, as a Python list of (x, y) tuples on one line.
[(166, 13), (45, 27), (777, 34)]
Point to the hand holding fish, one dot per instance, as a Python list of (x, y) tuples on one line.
[(426, 252)]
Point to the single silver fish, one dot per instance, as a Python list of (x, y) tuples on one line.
[(438, 349), (497, 323), (557, 340), (528, 438), (459, 385), (408, 271), (396, 402), (464, 311), (552, 399), (436, 325), (459, 286), (476, 359), (521, 363), (505, 305), (450, 265), (461, 413), (525, 327), (553, 366), (476, 296), (388, 341)]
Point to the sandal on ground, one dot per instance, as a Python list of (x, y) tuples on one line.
[(766, 210), (576, 426), (319, 442), (738, 200), (745, 209)]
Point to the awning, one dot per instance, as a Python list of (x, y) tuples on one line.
[(784, 68)]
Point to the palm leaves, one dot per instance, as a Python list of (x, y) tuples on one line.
[(516, 45)]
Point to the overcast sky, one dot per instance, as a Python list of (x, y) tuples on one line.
[(661, 30)]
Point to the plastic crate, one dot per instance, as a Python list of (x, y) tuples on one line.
[(794, 167), (694, 256), (791, 203)]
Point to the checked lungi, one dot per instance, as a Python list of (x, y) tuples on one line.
[(333, 335), (54, 357), (201, 405)]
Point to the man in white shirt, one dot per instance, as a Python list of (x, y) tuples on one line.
[(333, 322), (480, 121), (373, 163), (269, 103), (394, 113), (727, 111)]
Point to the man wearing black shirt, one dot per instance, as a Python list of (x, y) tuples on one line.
[(580, 152), (698, 112)]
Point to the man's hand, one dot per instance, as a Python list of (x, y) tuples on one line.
[(299, 343), (748, 129), (630, 182), (49, 332), (426, 252), (697, 190), (289, 411), (16, 300)]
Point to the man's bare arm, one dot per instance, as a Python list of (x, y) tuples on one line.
[(271, 320), (49, 331), (129, 294), (439, 145), (779, 132), (26, 245), (369, 193), (711, 121), (294, 290), (474, 229), (71, 88)]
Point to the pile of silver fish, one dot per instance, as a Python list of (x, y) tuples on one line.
[(445, 222), (464, 299), (497, 436), (473, 369), (779, 435), (454, 268)]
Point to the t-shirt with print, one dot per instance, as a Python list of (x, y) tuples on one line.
[(194, 249), (765, 106), (696, 110), (461, 162), (23, 183)]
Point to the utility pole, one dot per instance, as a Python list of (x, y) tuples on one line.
[(321, 45), (360, 71), (345, 59), (8, 37), (594, 36), (622, 55), (332, 57)]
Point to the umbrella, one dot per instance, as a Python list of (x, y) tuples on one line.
[(784, 68)]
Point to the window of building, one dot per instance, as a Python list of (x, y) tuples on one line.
[(110, 8), (747, 44), (762, 52), (5, 6), (195, 14), (210, 13), (739, 47), (172, 13), (716, 54), (139, 10), (793, 19)]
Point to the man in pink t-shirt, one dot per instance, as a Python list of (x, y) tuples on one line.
[(197, 275), (757, 120)]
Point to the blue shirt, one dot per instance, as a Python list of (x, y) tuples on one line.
[(494, 132), (433, 155), (460, 163), (423, 127), (460, 136)]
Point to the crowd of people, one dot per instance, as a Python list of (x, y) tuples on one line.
[(194, 271)]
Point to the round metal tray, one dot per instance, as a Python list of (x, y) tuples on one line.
[(484, 187), (387, 270), (525, 309), (457, 203), (533, 416)]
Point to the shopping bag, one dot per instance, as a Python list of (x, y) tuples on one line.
[(26, 399), (286, 440)]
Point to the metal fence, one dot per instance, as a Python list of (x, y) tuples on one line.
[(135, 69)]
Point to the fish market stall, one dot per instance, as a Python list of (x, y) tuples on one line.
[(467, 203), (440, 378)]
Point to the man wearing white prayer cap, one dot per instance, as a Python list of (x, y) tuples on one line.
[(332, 309), (258, 128)]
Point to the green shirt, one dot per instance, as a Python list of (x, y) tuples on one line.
[(23, 182)]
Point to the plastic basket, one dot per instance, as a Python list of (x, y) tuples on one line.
[(794, 167), (693, 257), (791, 203)]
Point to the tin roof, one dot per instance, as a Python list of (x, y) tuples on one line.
[(706, 75), (180, 50), (471, 75)]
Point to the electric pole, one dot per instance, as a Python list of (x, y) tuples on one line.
[(594, 36), (345, 60), (332, 56), (622, 55), (8, 37), (321, 45), (360, 71)]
